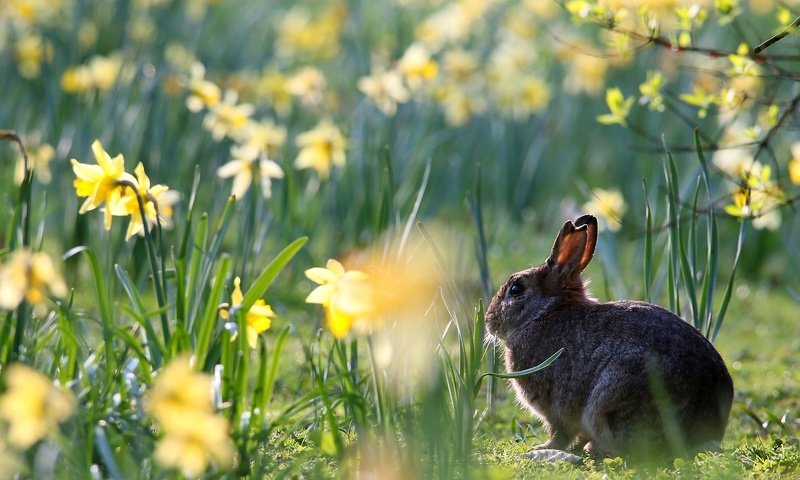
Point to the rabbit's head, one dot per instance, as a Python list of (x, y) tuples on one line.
[(531, 293)]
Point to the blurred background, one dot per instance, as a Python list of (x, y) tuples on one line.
[(498, 98)]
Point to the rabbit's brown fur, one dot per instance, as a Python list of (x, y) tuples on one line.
[(634, 380)]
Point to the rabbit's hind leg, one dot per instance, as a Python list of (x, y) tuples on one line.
[(616, 410)]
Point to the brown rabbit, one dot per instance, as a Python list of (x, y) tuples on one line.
[(634, 380)]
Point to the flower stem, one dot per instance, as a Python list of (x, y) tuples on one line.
[(151, 253)]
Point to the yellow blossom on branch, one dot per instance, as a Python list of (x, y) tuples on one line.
[(259, 317), (619, 106), (759, 198), (701, 99), (28, 276), (100, 183), (650, 90), (193, 436), (32, 405), (320, 148)]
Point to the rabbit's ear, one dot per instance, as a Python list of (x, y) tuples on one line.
[(569, 249), (591, 238)]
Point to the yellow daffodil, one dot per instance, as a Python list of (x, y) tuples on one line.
[(28, 276), (460, 65), (227, 117), (100, 183), (39, 158), (246, 158), (202, 93), (385, 90), (100, 73), (460, 103), (160, 211), (31, 52), (263, 135), (449, 24), (608, 206), (204, 441), (308, 84), (320, 147), (77, 80), (32, 406), (87, 35), (586, 71), (534, 96), (272, 88), (104, 71), (259, 317), (345, 295), (194, 437), (318, 36), (417, 66)]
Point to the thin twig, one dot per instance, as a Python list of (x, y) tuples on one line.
[(777, 37)]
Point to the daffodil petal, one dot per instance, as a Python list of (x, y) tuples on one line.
[(320, 275), (321, 294)]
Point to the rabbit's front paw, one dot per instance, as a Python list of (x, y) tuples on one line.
[(551, 455)]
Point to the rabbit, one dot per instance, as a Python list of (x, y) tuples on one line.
[(634, 380)]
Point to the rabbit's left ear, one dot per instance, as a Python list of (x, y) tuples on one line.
[(574, 246), (568, 249), (591, 238)]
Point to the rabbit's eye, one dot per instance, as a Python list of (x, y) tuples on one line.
[(515, 289)]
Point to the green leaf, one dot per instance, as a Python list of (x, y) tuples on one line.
[(268, 275), (552, 358), (156, 349)]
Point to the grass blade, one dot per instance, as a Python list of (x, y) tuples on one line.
[(268, 275), (103, 303)]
